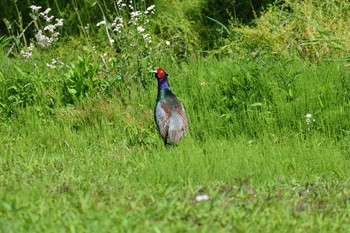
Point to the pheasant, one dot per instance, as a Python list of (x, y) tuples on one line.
[(169, 112)]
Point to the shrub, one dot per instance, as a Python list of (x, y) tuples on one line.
[(313, 29)]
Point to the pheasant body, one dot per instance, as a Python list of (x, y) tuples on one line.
[(169, 112)]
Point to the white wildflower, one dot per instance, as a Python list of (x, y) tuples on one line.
[(151, 8), (35, 8), (59, 23), (140, 29), (147, 37), (54, 36), (43, 40), (118, 19), (49, 19), (26, 55), (101, 23), (51, 66), (117, 29), (117, 24), (51, 28), (135, 13), (167, 43), (46, 12), (60, 62), (31, 47), (134, 17), (54, 63)]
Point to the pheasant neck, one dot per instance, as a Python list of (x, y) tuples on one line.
[(163, 83)]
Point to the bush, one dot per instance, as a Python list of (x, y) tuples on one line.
[(312, 29)]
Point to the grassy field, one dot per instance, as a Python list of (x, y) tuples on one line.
[(101, 166), (268, 148)]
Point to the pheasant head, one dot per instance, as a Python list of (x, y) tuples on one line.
[(162, 77)]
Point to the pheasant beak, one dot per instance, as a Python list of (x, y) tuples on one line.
[(155, 72)]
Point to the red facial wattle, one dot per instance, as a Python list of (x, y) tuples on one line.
[(160, 73)]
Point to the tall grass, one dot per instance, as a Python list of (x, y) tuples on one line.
[(257, 97)]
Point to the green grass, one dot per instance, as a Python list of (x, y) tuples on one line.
[(100, 166), (55, 179)]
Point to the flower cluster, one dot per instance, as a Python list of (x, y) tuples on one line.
[(54, 63), (29, 53), (117, 24), (35, 8), (49, 34), (129, 18), (121, 5)]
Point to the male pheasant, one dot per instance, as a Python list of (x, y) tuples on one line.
[(169, 112)]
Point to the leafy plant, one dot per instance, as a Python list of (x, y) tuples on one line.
[(20, 91), (82, 80)]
